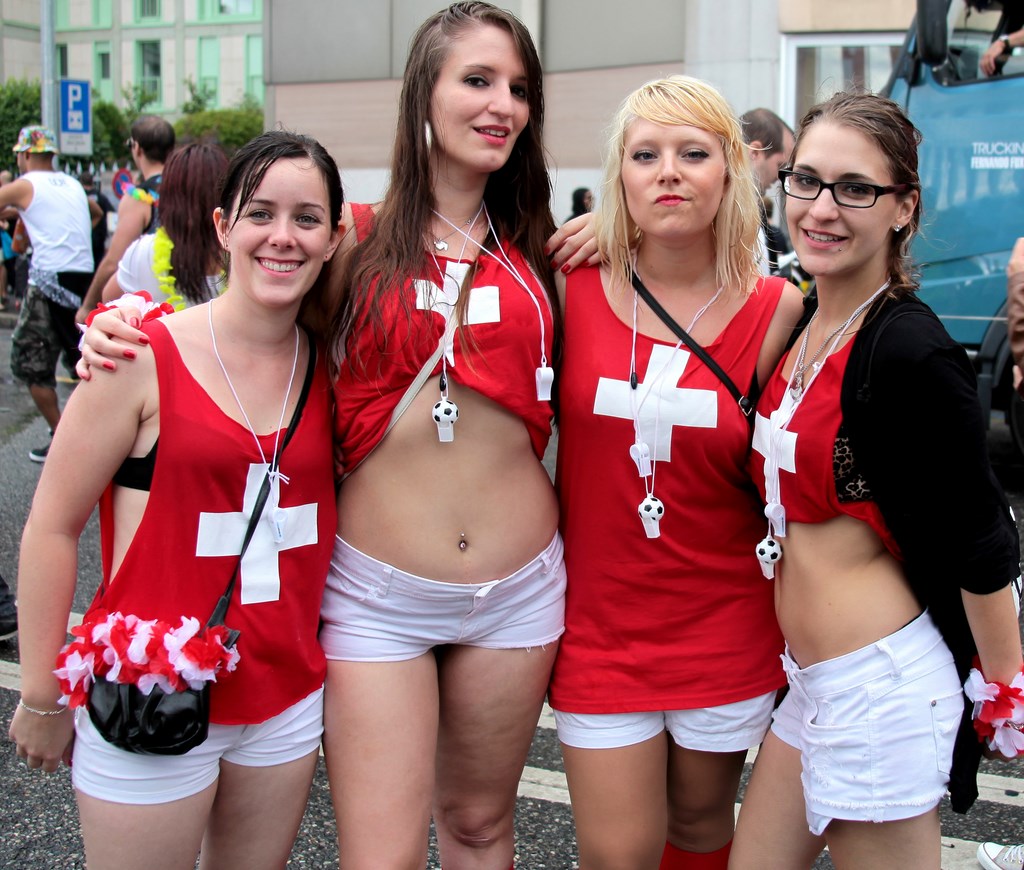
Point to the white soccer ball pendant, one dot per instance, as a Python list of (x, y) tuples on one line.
[(768, 553), (651, 510), (445, 414)]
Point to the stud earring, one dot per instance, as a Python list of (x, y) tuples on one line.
[(428, 132), (897, 228)]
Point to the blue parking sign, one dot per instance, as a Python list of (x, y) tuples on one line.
[(75, 117)]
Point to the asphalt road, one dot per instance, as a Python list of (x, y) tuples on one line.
[(38, 821)]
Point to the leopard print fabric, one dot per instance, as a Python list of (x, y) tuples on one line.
[(850, 484)]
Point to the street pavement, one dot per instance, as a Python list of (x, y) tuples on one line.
[(38, 820)]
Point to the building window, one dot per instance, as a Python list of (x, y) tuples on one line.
[(147, 9), (148, 68), (209, 68), (103, 81), (62, 61), (102, 13), (815, 66), (213, 10), (254, 68)]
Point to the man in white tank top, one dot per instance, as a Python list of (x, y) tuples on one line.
[(59, 218)]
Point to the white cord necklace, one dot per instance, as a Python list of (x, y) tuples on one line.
[(652, 508), (276, 517), (445, 412), (769, 551)]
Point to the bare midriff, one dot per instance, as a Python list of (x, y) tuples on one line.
[(472, 510), (838, 589)]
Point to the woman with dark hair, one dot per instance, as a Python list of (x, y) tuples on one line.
[(582, 202), (884, 603), (445, 599), (214, 387), (181, 262)]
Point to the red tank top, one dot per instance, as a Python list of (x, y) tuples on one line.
[(684, 620), (179, 562), (497, 353), (816, 460)]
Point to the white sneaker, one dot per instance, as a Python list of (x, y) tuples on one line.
[(995, 856)]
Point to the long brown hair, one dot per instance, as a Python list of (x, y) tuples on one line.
[(517, 195), (188, 195)]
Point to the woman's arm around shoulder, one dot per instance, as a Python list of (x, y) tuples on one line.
[(97, 431), (780, 331)]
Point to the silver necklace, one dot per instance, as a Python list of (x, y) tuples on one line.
[(441, 244), (651, 509), (800, 367), (277, 516)]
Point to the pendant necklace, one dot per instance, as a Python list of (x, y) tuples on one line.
[(768, 550), (276, 516), (652, 508), (441, 244)]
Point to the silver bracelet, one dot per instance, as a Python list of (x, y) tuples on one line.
[(25, 706)]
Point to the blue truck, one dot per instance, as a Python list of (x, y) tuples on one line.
[(972, 174)]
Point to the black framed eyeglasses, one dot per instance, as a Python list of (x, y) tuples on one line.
[(849, 194)]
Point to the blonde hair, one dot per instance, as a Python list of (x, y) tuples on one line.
[(676, 101)]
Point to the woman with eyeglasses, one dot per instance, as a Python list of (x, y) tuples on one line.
[(892, 549)]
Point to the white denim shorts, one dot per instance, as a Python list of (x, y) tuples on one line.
[(372, 612), (725, 728), (101, 770), (875, 728)]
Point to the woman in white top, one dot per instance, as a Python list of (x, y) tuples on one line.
[(158, 262)]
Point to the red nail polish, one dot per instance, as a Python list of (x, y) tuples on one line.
[(129, 354), (143, 339), (108, 365), (135, 322), (566, 269)]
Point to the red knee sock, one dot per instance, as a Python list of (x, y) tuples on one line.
[(677, 859)]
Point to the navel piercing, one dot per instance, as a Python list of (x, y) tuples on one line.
[(462, 541)]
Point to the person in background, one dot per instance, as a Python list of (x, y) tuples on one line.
[(770, 141), (582, 202), (151, 142), (58, 217), (889, 616), (99, 230), (669, 667), (214, 389), (181, 262)]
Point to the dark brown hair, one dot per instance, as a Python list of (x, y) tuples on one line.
[(188, 195), (517, 195)]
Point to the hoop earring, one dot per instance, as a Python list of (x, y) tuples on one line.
[(428, 133)]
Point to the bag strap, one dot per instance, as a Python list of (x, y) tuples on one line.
[(746, 406), (221, 610), (407, 397)]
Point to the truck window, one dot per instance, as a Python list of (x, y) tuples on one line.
[(970, 34)]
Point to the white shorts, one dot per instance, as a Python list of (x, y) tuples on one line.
[(875, 728), (726, 728), (372, 612), (101, 770)]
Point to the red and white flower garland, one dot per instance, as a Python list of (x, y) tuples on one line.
[(998, 711), (148, 653)]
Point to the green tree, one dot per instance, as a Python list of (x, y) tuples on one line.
[(231, 128), (110, 129), (199, 98), (20, 105), (136, 99)]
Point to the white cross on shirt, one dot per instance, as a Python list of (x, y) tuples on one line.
[(222, 535), (483, 307), (787, 443), (670, 406)]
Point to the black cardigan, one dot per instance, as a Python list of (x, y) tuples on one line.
[(910, 409)]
